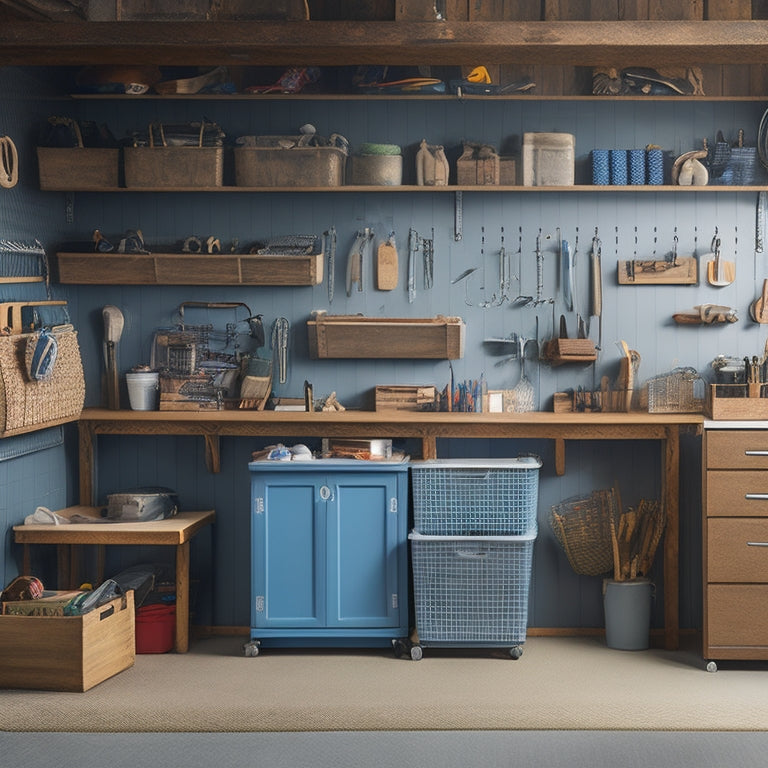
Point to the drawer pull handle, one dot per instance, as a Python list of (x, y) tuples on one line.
[(757, 543), (756, 453), (756, 495)]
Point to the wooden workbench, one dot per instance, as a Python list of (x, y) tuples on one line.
[(176, 531), (428, 427)]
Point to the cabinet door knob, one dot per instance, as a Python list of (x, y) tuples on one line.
[(325, 492)]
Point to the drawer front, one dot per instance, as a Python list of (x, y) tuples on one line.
[(737, 494), (736, 615), (737, 550), (737, 449)]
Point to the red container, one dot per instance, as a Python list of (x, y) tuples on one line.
[(155, 628)]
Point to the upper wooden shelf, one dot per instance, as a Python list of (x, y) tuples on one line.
[(330, 43), (600, 188), (373, 97)]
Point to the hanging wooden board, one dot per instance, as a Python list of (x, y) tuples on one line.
[(386, 267), (684, 271)]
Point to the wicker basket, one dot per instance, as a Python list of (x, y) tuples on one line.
[(582, 527), (27, 405)]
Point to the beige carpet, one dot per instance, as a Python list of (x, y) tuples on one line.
[(559, 683)]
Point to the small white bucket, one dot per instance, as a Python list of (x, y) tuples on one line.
[(142, 390)]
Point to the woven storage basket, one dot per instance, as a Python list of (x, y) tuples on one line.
[(26, 405), (582, 527)]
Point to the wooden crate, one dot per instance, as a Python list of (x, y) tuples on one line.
[(358, 337), (62, 169), (176, 167), (68, 653), (737, 402), (406, 398), (472, 170), (188, 269)]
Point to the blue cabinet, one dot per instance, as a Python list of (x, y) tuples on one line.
[(329, 553)]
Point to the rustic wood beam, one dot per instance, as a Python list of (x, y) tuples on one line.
[(584, 43)]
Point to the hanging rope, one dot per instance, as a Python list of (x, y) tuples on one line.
[(9, 163)]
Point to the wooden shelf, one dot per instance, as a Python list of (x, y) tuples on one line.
[(373, 97), (582, 188), (333, 43), (188, 269)]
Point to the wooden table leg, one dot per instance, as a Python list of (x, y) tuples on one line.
[(182, 598), (63, 574), (26, 562), (670, 488), (87, 461)]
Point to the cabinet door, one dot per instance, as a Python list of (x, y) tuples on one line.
[(288, 551), (364, 549)]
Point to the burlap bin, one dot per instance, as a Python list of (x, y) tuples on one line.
[(174, 166), (293, 167), (26, 405)]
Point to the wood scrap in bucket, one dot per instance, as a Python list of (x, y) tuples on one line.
[(636, 533)]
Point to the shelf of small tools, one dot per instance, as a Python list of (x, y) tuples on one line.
[(741, 388)]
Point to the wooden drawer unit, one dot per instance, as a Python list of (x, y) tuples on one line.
[(731, 493), (736, 449), (737, 550), (738, 621), (735, 543)]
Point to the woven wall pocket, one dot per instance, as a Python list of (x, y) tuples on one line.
[(27, 405)]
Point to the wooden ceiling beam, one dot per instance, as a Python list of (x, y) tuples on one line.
[(580, 43)]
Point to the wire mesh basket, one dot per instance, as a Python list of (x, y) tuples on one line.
[(475, 497), (471, 590), (679, 391), (582, 527)]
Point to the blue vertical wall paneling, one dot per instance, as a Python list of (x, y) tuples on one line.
[(640, 315), (36, 469)]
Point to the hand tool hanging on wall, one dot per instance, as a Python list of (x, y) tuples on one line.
[(597, 286), (386, 264), (330, 254), (360, 247), (505, 277), (413, 247), (280, 330), (9, 163), (428, 256), (759, 228), (521, 300), (566, 265), (114, 321), (719, 272)]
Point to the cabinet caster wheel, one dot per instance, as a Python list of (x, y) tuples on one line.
[(251, 648), (516, 652), (416, 653), (711, 666)]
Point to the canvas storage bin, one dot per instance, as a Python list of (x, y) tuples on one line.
[(548, 159), (26, 405), (62, 165), (174, 166), (289, 161)]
